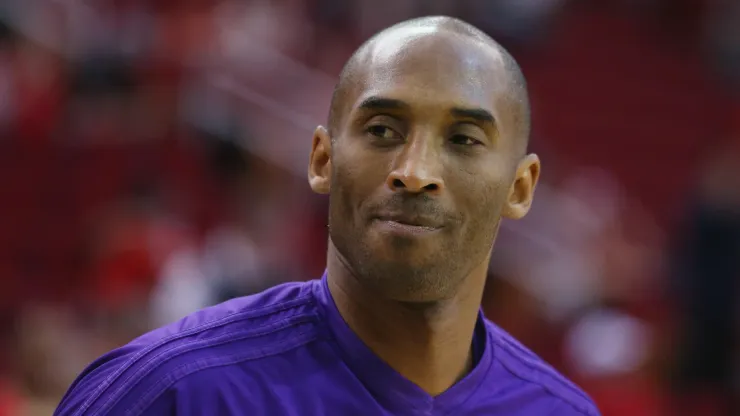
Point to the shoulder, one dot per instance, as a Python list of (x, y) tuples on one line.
[(528, 368), (204, 344)]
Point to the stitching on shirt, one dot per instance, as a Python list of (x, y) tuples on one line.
[(506, 346), (153, 362), (183, 370), (540, 367), (232, 317), (532, 361)]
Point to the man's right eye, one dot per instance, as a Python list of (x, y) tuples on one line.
[(383, 132)]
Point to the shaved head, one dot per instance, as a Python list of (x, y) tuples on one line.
[(435, 28), (428, 127)]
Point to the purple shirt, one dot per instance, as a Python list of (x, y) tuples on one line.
[(287, 351)]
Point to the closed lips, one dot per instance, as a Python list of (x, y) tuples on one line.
[(411, 220)]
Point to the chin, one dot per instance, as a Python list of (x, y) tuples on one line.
[(405, 278), (400, 269), (409, 248), (403, 258)]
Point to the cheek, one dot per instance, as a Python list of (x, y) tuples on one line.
[(481, 196), (353, 184), (341, 195), (487, 204)]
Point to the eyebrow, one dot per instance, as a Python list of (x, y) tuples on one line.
[(381, 103), (478, 114)]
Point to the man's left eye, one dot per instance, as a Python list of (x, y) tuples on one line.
[(463, 140)]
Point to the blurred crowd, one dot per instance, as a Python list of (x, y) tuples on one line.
[(153, 153)]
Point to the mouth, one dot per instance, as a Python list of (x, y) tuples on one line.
[(396, 224)]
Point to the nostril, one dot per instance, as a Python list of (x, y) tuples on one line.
[(397, 183), (432, 187)]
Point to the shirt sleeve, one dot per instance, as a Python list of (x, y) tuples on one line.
[(126, 382), (154, 395), (209, 392), (109, 386)]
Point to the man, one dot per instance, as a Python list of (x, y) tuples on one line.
[(424, 153)]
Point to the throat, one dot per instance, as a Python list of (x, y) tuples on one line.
[(433, 370), (429, 344)]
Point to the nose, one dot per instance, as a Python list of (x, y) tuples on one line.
[(417, 169)]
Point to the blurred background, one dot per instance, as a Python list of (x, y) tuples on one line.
[(153, 157)]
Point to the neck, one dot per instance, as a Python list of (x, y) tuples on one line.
[(428, 343)]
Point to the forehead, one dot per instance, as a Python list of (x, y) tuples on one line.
[(430, 69)]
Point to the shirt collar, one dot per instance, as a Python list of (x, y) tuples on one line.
[(392, 390)]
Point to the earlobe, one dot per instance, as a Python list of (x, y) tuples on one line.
[(319, 163), (522, 190)]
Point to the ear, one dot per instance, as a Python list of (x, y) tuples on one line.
[(319, 164), (522, 190)]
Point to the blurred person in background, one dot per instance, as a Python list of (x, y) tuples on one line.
[(722, 39), (418, 184), (708, 270), (573, 279), (6, 77)]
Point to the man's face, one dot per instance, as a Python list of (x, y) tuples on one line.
[(422, 165)]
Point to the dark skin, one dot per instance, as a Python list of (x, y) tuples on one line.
[(425, 157)]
